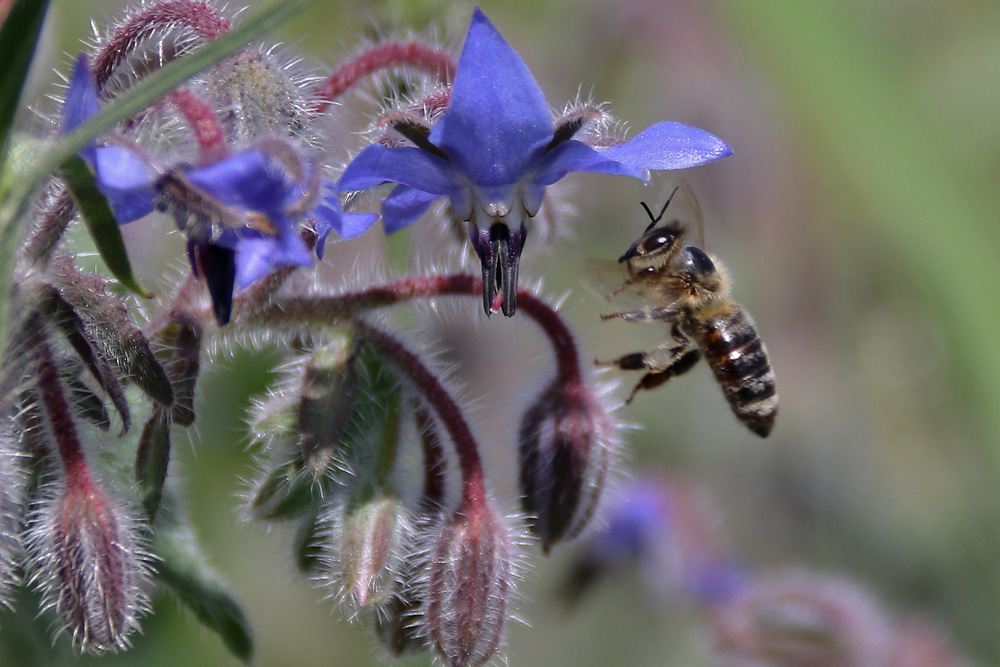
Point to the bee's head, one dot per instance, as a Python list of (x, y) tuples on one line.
[(654, 250)]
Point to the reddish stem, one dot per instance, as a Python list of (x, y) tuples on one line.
[(204, 123), (199, 17), (435, 463), (320, 309), (383, 56), (57, 411), (471, 465), (56, 215)]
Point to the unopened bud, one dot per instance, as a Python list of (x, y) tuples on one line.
[(566, 442), (801, 619), (183, 338), (365, 550), (88, 560), (105, 323), (469, 586), (326, 402), (12, 489)]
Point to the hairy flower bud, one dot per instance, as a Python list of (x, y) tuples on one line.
[(12, 488), (801, 619), (183, 339), (89, 562), (566, 442), (469, 585), (364, 550), (326, 403)]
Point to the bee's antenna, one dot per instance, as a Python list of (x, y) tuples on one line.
[(662, 210)]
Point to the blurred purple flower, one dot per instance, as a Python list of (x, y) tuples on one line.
[(666, 530), (495, 149), (239, 213)]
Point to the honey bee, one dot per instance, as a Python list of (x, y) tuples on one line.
[(199, 215), (685, 287)]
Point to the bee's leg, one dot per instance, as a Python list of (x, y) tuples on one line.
[(661, 363), (648, 314)]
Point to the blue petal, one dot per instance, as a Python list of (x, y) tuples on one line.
[(575, 156), (378, 164), (81, 96), (669, 145), (249, 179), (404, 206), (328, 216), (125, 180), (355, 224), (497, 117), (257, 256)]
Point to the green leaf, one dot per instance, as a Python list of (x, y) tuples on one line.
[(200, 588), (19, 36), (100, 219)]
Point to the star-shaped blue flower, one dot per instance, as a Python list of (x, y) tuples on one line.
[(239, 214), (495, 149)]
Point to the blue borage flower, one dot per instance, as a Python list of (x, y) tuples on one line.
[(495, 149), (239, 214)]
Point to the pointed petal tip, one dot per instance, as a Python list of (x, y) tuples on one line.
[(81, 95)]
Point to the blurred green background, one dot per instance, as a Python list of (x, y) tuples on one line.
[(860, 218)]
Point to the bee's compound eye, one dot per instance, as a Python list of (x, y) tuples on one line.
[(656, 242)]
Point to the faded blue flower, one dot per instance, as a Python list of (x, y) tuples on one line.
[(495, 149), (239, 214), (666, 531)]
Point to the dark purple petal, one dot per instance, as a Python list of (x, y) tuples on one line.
[(217, 265), (404, 206), (669, 145), (81, 96), (378, 164), (497, 117), (575, 156)]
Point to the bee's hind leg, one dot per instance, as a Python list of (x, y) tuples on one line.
[(660, 363)]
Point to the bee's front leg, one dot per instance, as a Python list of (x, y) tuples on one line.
[(648, 314), (661, 363)]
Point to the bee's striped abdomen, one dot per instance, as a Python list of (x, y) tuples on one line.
[(739, 361)]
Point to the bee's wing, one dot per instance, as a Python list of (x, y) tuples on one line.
[(603, 278), (608, 281), (683, 208), (689, 211)]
